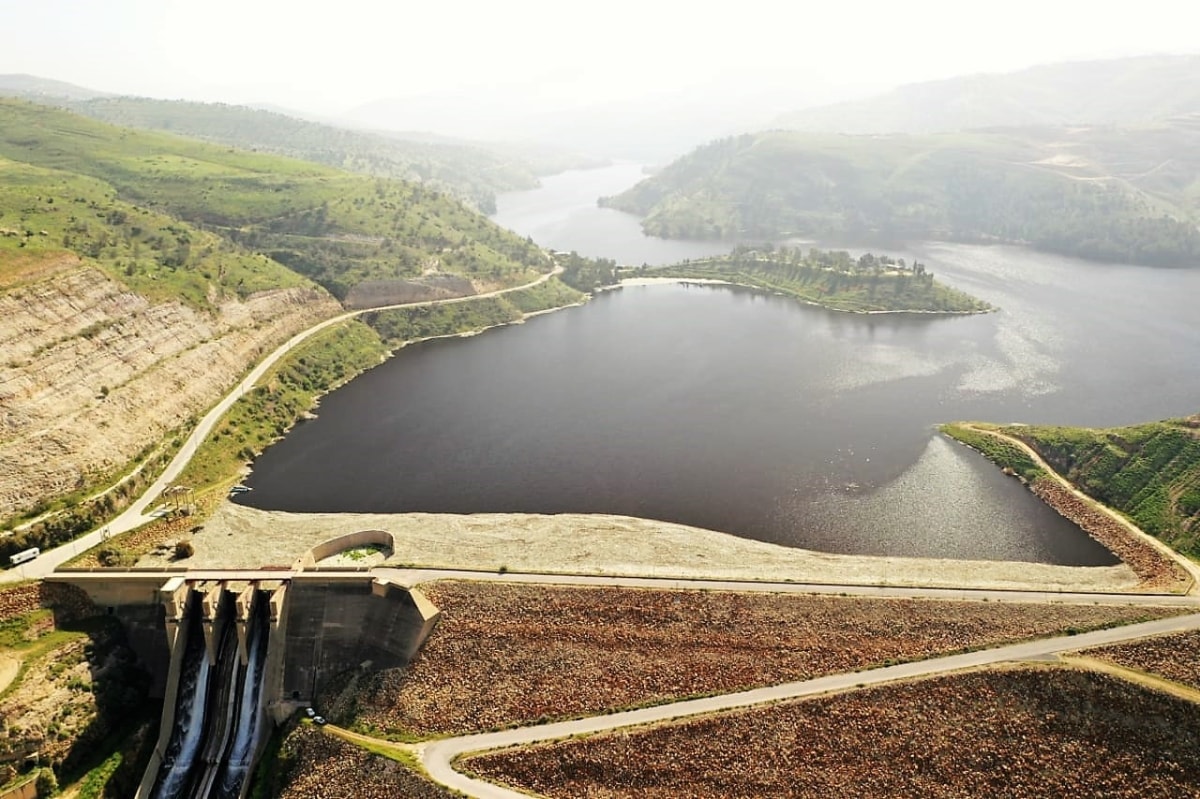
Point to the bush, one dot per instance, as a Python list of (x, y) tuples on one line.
[(111, 556)]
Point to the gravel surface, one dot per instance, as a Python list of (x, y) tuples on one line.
[(240, 537), (506, 655), (1014, 733)]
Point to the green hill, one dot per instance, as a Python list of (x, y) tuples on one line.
[(472, 173), (1149, 472), (1119, 91), (1104, 194), (151, 205)]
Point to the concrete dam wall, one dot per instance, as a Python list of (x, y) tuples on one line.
[(231, 652)]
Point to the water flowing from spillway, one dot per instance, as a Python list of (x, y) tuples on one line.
[(239, 757), (218, 714), (191, 701)]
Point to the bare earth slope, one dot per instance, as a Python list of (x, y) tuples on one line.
[(92, 373)]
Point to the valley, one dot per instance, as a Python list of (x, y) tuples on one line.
[(279, 397)]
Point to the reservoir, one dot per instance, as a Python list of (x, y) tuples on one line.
[(750, 414)]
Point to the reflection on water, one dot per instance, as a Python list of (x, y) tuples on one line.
[(714, 407), (750, 414)]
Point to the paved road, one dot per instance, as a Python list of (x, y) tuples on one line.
[(437, 756), (140, 512), (413, 577)]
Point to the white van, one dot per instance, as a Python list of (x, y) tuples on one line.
[(24, 556)]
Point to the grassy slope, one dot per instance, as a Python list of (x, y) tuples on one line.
[(175, 219), (975, 186), (472, 173), (332, 226), (55, 212), (833, 280), (1149, 472)]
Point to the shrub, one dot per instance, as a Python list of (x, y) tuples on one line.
[(46, 784), (111, 556)]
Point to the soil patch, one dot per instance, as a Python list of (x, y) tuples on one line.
[(9, 667)]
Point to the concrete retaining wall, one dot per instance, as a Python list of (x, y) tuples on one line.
[(334, 624), (333, 546)]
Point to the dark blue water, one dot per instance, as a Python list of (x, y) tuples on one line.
[(756, 415)]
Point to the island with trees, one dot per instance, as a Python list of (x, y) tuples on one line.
[(832, 279)]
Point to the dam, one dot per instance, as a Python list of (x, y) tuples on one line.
[(233, 653)]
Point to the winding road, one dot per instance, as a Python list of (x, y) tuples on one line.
[(438, 756), (140, 512)]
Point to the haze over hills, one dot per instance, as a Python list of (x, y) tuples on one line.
[(1053, 171), (1109, 92), (31, 87), (650, 127), (472, 171)]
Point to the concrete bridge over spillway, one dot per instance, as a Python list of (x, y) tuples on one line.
[(233, 650)]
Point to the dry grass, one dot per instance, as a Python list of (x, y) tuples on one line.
[(506, 655), (1014, 733)]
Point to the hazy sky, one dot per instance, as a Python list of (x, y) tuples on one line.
[(333, 55)]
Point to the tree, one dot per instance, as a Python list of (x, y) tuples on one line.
[(46, 783)]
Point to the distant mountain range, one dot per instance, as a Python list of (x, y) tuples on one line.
[(1111, 92), (1098, 159), (31, 87)]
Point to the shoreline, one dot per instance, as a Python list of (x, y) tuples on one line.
[(704, 281), (236, 536), (1157, 566)]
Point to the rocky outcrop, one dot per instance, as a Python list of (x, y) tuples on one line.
[(92, 373)]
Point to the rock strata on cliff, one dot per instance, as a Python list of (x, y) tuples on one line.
[(92, 373)]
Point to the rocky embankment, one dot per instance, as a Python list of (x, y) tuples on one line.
[(92, 373), (509, 655), (1018, 733), (1155, 569)]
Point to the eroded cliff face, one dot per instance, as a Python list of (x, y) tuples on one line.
[(91, 373)]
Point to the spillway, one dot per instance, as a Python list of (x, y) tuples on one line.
[(248, 715), (218, 714)]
